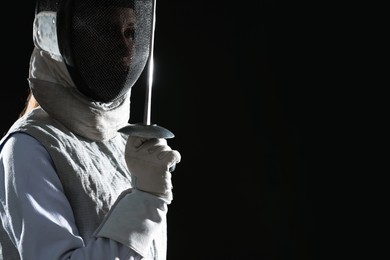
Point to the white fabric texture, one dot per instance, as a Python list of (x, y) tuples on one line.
[(122, 223), (45, 33), (33, 202), (98, 176)]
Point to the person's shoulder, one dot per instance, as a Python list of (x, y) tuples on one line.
[(19, 143)]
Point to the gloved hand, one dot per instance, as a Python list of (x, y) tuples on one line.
[(149, 160)]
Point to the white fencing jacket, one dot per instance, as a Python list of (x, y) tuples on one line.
[(65, 190)]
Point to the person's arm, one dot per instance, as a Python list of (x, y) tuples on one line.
[(35, 212), (150, 161)]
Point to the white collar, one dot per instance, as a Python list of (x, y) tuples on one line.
[(55, 92)]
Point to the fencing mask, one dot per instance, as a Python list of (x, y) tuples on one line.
[(104, 43)]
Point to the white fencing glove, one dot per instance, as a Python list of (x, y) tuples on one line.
[(151, 161)]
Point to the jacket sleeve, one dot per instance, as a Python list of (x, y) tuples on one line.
[(135, 220)]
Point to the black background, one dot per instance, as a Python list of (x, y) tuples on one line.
[(250, 91)]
